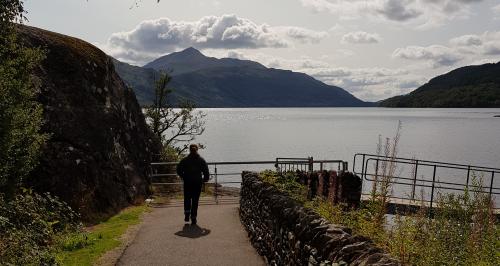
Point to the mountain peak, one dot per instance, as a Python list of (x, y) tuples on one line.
[(190, 59), (179, 61), (191, 51)]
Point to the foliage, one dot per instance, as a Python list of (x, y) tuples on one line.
[(363, 221), (176, 128), (29, 225), (170, 154), (462, 232), (84, 248), (11, 11), (287, 183), (478, 96), (20, 114), (381, 186)]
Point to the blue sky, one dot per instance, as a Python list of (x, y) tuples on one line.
[(373, 48)]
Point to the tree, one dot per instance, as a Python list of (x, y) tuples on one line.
[(20, 114), (175, 127)]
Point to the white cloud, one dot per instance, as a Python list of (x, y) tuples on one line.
[(428, 13), (370, 84), (301, 34), (485, 61), (492, 48), (399, 10), (487, 43), (152, 38), (467, 40), (345, 52), (236, 55), (437, 55), (467, 49), (491, 43), (496, 11), (360, 37)]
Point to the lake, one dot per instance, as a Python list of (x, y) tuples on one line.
[(464, 136)]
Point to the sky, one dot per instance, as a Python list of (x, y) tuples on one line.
[(375, 49)]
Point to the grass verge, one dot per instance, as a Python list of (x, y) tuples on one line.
[(85, 248)]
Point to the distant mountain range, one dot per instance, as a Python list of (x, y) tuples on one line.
[(470, 86), (228, 82)]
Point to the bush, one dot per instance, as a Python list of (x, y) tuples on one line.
[(29, 225), (287, 183), (462, 232), (20, 115)]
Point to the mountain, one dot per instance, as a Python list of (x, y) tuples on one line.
[(139, 79), (190, 60), (228, 82), (470, 86)]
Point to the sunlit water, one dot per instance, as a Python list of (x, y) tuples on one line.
[(465, 136)]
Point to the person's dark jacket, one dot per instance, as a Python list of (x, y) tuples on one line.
[(191, 168)]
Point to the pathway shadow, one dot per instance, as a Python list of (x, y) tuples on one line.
[(193, 231)]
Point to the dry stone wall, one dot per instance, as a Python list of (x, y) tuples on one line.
[(286, 233)]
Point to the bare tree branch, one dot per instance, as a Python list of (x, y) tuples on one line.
[(176, 127)]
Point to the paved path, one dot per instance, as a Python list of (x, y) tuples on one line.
[(220, 239)]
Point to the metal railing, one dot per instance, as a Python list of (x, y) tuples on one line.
[(233, 177), (371, 165), (307, 164)]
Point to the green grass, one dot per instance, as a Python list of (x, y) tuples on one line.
[(86, 248)]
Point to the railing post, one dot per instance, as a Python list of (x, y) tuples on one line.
[(431, 212), (216, 189), (362, 166), (414, 181), (321, 166), (491, 183), (354, 163), (311, 164), (375, 178), (468, 175)]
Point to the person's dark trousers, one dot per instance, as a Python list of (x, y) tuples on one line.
[(191, 198)]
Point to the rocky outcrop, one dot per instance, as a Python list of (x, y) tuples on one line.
[(286, 233), (100, 146)]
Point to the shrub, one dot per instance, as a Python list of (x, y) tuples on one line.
[(20, 115), (463, 231), (29, 224), (287, 183)]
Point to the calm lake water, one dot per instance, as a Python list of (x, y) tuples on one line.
[(465, 136)]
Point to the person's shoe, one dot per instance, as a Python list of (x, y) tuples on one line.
[(186, 218), (193, 221)]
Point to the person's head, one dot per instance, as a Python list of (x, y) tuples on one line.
[(193, 149)]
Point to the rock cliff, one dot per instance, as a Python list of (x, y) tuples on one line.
[(100, 146)]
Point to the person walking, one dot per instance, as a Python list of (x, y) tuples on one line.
[(191, 169)]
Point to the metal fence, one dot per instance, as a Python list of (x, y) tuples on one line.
[(228, 173), (413, 174)]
